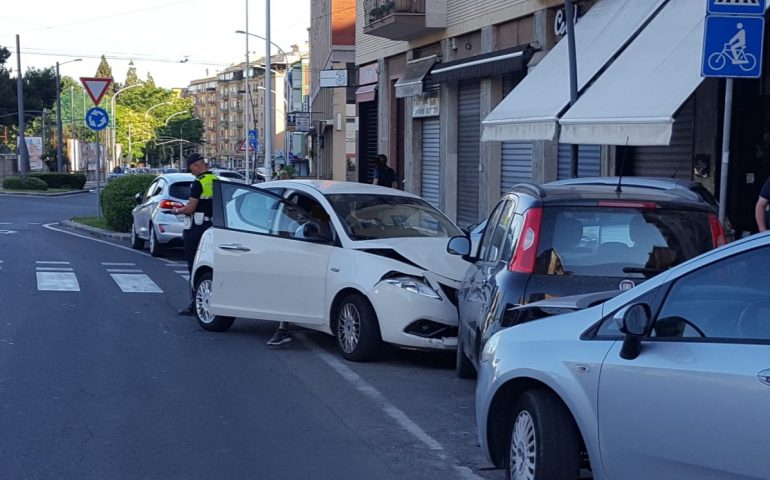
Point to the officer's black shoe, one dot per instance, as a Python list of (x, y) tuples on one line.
[(189, 310)]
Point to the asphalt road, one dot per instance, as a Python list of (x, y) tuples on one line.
[(98, 383)]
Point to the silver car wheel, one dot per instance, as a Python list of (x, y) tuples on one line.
[(202, 300), (349, 328), (523, 449)]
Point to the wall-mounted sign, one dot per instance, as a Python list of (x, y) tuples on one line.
[(334, 78), (560, 22), (368, 74), (426, 105), (298, 122)]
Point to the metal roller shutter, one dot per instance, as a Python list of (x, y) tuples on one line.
[(589, 161), (468, 148), (368, 140), (431, 162), (516, 164), (674, 160)]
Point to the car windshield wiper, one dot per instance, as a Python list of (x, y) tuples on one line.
[(643, 270)]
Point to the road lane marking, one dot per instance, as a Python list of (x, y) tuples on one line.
[(54, 269), (51, 226), (118, 264), (176, 264), (57, 282), (124, 270), (45, 262), (398, 415), (135, 283)]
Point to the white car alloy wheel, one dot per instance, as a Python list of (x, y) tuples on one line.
[(357, 330), (206, 319), (349, 328), (523, 448)]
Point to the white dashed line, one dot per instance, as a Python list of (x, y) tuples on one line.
[(54, 269), (135, 283), (118, 264), (123, 270), (44, 262)]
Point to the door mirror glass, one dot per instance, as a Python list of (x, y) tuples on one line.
[(635, 320), (138, 198), (459, 246)]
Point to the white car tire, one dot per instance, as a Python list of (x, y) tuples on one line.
[(356, 329), (156, 248), (136, 242), (544, 442), (207, 320)]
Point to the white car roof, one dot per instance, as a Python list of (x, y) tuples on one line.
[(332, 187)]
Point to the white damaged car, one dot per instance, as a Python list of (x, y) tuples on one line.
[(364, 263)]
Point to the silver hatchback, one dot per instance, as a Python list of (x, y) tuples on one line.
[(670, 379), (152, 220)]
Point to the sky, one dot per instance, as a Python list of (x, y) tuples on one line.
[(177, 41)]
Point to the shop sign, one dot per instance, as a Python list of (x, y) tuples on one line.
[(426, 105), (368, 74)]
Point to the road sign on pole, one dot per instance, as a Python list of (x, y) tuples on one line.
[(96, 87), (253, 142), (732, 46), (97, 118), (736, 7)]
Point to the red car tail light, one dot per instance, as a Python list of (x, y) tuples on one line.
[(525, 254), (717, 232), (169, 204)]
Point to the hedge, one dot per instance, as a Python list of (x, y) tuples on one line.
[(29, 183), (117, 200), (61, 180)]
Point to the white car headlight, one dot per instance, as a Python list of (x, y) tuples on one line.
[(414, 285), (490, 348)]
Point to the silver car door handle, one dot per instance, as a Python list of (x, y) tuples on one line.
[(764, 376), (235, 247)]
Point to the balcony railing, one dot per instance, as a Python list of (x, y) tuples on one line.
[(403, 19)]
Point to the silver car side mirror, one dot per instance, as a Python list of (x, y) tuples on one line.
[(634, 323)]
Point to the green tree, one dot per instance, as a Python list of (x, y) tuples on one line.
[(131, 77), (150, 82), (104, 70)]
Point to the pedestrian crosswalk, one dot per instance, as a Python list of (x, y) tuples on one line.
[(61, 276)]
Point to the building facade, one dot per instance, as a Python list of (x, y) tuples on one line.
[(457, 92), (332, 109)]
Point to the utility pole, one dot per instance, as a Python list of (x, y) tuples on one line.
[(268, 97), (246, 105), (569, 9), (42, 142), (21, 147)]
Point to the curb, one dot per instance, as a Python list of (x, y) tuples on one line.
[(31, 194), (99, 232)]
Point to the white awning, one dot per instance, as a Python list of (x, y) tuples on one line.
[(531, 111), (635, 99)]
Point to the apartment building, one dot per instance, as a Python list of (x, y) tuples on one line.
[(332, 108)]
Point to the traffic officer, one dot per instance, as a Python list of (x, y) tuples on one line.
[(198, 213)]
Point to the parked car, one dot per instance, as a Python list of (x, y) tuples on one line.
[(228, 175), (555, 240), (152, 220), (363, 263), (670, 379)]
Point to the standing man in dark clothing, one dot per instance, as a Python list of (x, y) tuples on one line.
[(760, 210), (383, 174), (199, 210)]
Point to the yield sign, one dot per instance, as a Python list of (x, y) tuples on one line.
[(96, 87)]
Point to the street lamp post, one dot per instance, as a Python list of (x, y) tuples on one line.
[(59, 157), (181, 156)]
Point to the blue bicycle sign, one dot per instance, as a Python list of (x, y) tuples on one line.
[(733, 46)]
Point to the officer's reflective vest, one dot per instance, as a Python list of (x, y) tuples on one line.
[(207, 182)]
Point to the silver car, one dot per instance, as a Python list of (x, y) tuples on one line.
[(152, 220), (670, 379)]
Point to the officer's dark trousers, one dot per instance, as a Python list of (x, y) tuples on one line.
[(191, 238)]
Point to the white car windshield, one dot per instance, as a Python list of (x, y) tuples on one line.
[(370, 217)]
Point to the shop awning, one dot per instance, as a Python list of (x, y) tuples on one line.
[(635, 100), (531, 111), (484, 65), (366, 93), (410, 83)]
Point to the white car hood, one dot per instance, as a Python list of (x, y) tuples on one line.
[(428, 253)]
